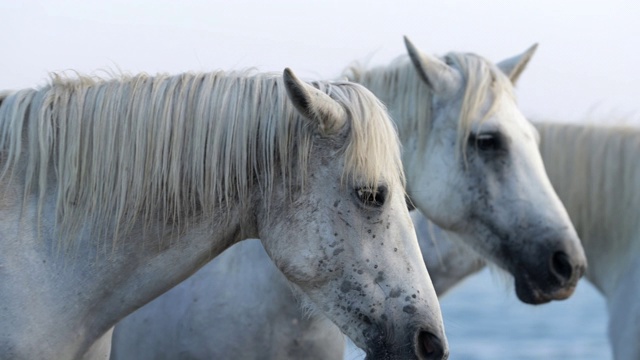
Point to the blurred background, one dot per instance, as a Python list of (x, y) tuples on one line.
[(585, 70), (585, 67)]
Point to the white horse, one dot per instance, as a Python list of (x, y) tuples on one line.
[(472, 165), (115, 191)]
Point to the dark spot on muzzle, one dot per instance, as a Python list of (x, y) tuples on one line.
[(409, 309), (346, 286), (396, 292)]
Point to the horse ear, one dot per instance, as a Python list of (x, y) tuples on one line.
[(314, 104), (514, 66), (439, 76), (3, 95)]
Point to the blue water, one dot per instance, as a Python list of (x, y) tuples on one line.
[(485, 321)]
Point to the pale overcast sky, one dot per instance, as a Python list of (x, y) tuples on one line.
[(586, 65)]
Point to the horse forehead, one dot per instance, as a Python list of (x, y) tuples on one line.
[(507, 116)]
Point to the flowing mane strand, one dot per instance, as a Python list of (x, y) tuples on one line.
[(596, 172), (409, 97), (168, 147)]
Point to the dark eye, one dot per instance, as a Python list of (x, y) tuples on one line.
[(486, 141), (448, 60), (372, 196)]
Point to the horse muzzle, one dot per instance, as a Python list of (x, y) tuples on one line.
[(425, 346), (557, 282)]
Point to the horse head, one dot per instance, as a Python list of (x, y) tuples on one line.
[(478, 172)]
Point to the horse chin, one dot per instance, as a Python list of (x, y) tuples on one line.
[(530, 293), (562, 294)]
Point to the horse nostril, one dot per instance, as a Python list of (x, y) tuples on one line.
[(561, 266), (430, 347)]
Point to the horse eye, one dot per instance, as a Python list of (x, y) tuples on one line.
[(372, 197), (448, 61), (486, 142)]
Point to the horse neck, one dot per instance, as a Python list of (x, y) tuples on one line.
[(161, 147), (594, 171), (153, 268), (92, 286)]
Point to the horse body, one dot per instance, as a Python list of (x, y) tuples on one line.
[(599, 194), (101, 348), (115, 191), (596, 174), (624, 314), (472, 166)]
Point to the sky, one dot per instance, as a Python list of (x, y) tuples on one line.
[(585, 69)]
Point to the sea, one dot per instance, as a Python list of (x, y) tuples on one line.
[(484, 320)]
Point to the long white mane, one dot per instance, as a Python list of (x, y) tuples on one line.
[(400, 85), (173, 147), (596, 171)]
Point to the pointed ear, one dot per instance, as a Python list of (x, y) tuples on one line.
[(439, 76), (314, 104), (514, 66), (3, 95)]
